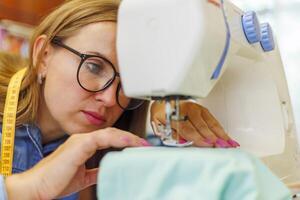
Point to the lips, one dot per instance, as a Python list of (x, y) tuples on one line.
[(94, 118)]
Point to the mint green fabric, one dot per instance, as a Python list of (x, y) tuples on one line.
[(163, 173)]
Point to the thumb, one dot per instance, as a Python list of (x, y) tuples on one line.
[(91, 177)]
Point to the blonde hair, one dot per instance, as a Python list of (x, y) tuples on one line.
[(9, 65), (63, 22)]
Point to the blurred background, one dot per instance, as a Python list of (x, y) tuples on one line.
[(18, 18)]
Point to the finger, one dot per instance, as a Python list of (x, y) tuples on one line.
[(188, 109), (157, 127), (112, 137), (85, 145), (295, 185), (201, 123), (190, 133), (157, 110), (214, 125), (91, 177), (193, 111), (178, 137), (211, 136), (185, 129), (203, 129)]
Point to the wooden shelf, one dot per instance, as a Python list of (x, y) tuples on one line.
[(26, 11)]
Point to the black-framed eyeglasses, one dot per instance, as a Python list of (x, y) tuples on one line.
[(95, 73)]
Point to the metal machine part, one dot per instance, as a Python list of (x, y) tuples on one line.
[(173, 114)]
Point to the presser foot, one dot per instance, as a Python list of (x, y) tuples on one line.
[(175, 143)]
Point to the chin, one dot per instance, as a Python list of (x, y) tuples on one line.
[(75, 129)]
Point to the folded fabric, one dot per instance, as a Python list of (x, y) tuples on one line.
[(155, 173)]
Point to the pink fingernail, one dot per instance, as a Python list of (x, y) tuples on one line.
[(145, 143), (233, 143), (125, 139), (182, 140), (222, 143)]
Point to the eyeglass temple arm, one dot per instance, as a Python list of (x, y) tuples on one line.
[(57, 41)]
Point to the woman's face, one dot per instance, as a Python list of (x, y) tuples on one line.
[(68, 105)]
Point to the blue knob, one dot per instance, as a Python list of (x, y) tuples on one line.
[(267, 39), (251, 27)]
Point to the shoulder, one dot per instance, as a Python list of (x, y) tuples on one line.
[(24, 129), (27, 147)]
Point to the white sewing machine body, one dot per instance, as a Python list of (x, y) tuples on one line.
[(176, 47)]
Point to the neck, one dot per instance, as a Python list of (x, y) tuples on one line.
[(49, 127)]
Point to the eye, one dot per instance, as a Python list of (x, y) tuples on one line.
[(94, 68)]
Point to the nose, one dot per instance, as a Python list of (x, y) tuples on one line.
[(108, 96)]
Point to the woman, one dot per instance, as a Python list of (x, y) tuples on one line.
[(65, 93)]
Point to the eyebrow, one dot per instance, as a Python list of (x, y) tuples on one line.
[(95, 53)]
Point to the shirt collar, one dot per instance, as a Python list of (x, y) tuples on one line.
[(36, 134)]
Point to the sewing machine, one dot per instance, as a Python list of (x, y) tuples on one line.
[(211, 51)]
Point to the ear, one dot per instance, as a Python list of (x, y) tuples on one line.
[(38, 54)]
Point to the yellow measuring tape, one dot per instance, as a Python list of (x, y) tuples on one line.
[(9, 122)]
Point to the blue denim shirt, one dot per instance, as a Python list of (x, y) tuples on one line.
[(28, 151)]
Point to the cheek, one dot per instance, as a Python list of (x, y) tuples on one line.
[(62, 93)]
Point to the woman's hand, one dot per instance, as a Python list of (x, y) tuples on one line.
[(63, 172), (200, 127)]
